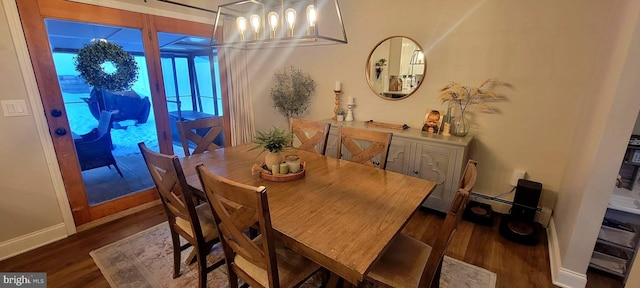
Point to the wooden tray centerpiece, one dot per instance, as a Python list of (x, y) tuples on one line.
[(266, 174)]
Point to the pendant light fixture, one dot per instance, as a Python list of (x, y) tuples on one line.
[(280, 23)]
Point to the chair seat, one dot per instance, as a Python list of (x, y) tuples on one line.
[(402, 264), (292, 267), (207, 224)]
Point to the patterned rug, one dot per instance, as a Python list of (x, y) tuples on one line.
[(146, 260)]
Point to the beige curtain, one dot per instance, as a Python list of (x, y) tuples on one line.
[(240, 107)]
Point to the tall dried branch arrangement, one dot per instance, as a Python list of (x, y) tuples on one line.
[(468, 96)]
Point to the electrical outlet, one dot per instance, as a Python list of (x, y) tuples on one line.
[(517, 175)]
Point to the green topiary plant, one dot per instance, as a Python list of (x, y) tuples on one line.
[(292, 93)]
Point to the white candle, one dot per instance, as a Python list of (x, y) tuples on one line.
[(338, 86), (350, 100)]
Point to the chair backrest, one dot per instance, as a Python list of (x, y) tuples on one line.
[(173, 190), (443, 239), (469, 176), (318, 131), (237, 207), (104, 123), (380, 142), (188, 131)]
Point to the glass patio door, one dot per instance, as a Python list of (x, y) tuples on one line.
[(110, 162), (55, 30), (191, 76)]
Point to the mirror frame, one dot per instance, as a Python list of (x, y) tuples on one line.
[(370, 62)]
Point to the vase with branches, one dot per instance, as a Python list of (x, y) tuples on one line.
[(461, 98)]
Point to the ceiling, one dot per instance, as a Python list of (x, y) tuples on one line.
[(67, 36)]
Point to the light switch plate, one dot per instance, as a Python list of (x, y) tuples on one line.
[(13, 108)]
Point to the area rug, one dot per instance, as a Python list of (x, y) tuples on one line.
[(146, 260)]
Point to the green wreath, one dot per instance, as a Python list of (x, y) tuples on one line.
[(92, 56)]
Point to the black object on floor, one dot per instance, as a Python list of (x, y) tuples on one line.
[(479, 213), (519, 226)]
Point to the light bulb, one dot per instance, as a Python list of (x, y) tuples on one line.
[(242, 26), (291, 19), (311, 16), (273, 23), (255, 23)]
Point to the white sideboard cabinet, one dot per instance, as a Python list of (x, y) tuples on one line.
[(437, 158)]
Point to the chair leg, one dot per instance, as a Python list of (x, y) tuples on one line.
[(202, 268), (435, 282), (175, 239), (233, 279), (117, 168)]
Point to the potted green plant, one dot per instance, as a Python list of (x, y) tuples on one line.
[(292, 92), (274, 141), (340, 113)]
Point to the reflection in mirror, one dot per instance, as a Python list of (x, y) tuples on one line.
[(395, 68)]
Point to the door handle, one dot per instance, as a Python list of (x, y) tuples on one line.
[(61, 131), (56, 113)]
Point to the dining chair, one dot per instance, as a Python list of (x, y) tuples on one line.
[(194, 223), (379, 145), (192, 130), (410, 263), (312, 135), (261, 261), (469, 175)]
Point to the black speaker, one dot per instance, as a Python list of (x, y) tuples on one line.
[(519, 225)]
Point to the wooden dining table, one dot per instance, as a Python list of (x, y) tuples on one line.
[(341, 214)]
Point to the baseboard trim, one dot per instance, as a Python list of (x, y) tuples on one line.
[(24, 243), (118, 215), (560, 276)]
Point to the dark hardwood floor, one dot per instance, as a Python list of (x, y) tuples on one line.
[(68, 264)]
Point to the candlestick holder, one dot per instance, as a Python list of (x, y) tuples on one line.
[(335, 110), (349, 112)]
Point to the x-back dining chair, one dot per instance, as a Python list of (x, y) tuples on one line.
[(261, 261), (194, 223), (312, 135), (188, 131), (380, 142), (410, 263)]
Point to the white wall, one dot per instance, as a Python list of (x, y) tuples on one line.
[(29, 204)]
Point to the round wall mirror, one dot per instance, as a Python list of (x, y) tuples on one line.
[(396, 67)]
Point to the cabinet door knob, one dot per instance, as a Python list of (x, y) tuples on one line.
[(416, 172)]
